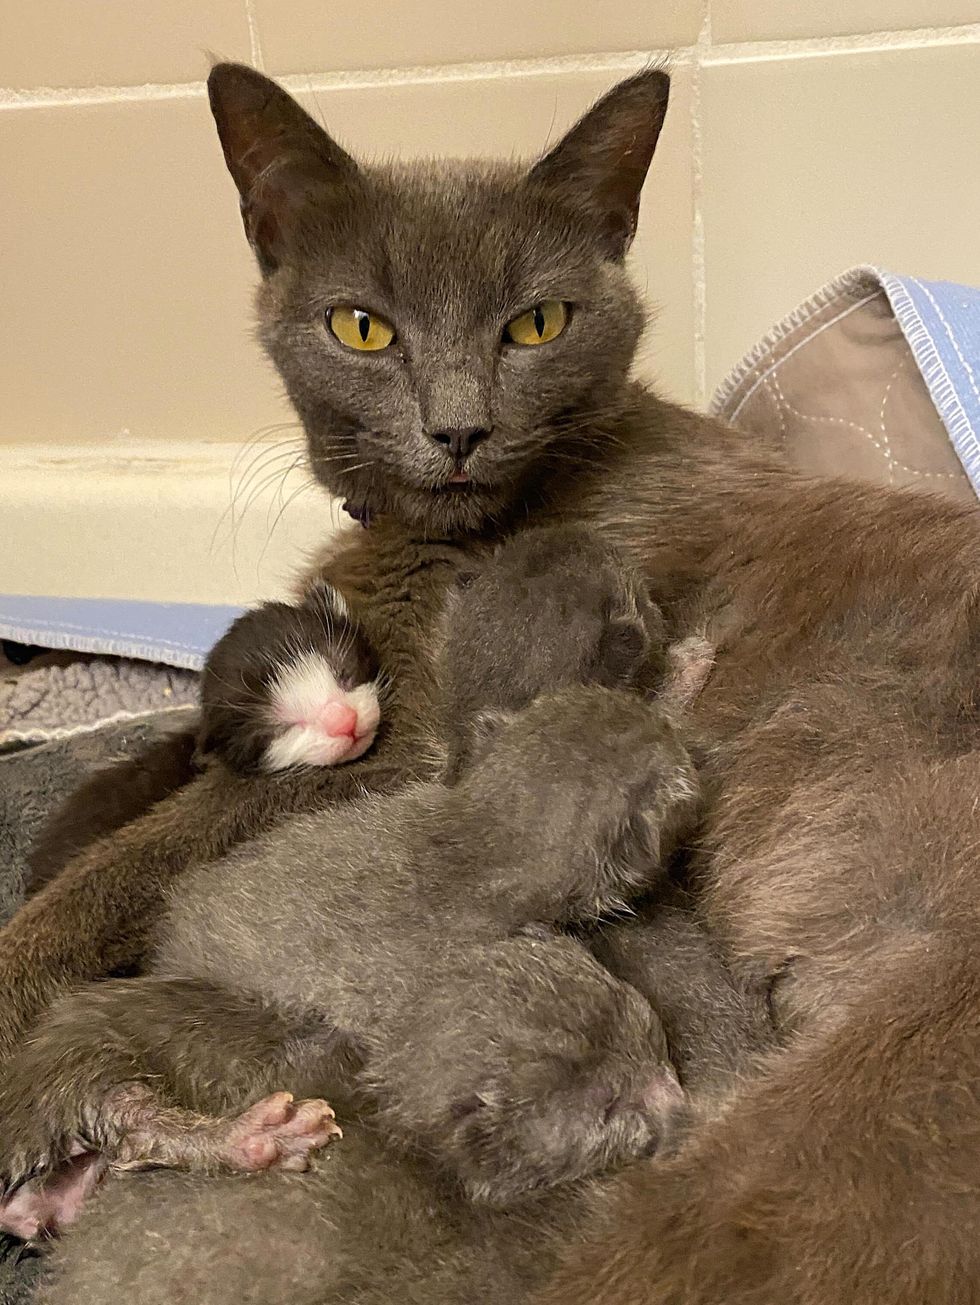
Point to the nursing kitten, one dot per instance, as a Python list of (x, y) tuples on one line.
[(285, 686), (398, 926)]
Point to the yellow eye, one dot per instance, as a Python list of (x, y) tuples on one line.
[(539, 324), (359, 329)]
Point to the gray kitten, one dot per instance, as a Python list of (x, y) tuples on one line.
[(395, 933)]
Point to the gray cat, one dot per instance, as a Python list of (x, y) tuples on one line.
[(416, 932)]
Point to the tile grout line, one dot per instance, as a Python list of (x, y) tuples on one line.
[(913, 38), (698, 270), (254, 41), (626, 60)]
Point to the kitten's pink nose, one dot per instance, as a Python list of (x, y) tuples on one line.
[(338, 719)]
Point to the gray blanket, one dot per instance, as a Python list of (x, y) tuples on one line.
[(35, 780)]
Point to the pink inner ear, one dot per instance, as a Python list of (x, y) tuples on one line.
[(338, 719)]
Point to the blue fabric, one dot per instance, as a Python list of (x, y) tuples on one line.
[(177, 634), (941, 322)]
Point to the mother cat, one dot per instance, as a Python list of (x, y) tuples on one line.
[(456, 340)]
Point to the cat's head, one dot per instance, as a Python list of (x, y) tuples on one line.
[(552, 606), (577, 801), (439, 326)]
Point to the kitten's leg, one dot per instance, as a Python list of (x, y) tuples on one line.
[(291, 686), (106, 801), (106, 1063)]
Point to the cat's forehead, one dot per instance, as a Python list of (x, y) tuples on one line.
[(467, 233)]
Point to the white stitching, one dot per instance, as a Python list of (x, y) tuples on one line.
[(882, 414), (39, 622), (848, 283), (780, 411), (952, 338), (863, 430), (943, 392), (799, 345)]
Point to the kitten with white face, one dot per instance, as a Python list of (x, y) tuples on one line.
[(291, 686)]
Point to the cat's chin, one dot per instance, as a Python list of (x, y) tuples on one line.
[(452, 510), (449, 510)]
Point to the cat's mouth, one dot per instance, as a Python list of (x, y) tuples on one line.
[(459, 482)]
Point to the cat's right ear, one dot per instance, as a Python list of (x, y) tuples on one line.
[(598, 168), (277, 155)]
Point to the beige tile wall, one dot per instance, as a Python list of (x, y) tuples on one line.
[(802, 139)]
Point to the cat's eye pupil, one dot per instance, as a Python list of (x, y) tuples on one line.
[(359, 328), (539, 324)]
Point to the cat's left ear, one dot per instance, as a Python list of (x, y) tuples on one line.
[(279, 158), (598, 168)]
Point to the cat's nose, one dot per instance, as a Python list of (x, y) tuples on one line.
[(460, 442), (338, 720)]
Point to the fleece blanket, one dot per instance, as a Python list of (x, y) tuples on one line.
[(58, 695), (875, 376)]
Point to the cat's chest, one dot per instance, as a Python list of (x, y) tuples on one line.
[(397, 587)]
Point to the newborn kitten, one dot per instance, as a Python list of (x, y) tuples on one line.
[(516, 1061), (551, 607), (290, 686), (285, 686)]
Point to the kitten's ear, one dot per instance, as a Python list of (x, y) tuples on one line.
[(600, 165), (277, 155)]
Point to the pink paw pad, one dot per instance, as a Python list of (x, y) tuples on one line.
[(43, 1206), (278, 1132)]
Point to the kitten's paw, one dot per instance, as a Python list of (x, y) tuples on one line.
[(41, 1207), (277, 1132)]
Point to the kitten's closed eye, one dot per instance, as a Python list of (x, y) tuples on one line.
[(290, 686), (315, 719)]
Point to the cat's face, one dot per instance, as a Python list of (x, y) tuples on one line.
[(441, 329)]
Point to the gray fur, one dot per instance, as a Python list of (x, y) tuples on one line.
[(334, 1236)]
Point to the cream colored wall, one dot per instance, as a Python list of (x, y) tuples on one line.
[(802, 138)]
